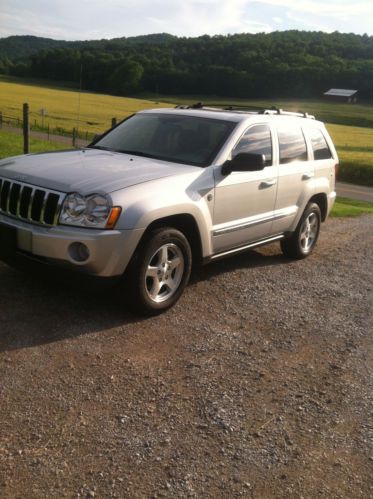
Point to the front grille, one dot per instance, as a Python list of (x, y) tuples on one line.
[(29, 203)]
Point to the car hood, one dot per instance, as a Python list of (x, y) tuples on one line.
[(87, 171)]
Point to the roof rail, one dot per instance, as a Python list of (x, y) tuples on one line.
[(198, 105), (276, 110), (251, 109)]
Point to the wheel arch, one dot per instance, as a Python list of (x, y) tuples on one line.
[(322, 201), (185, 223)]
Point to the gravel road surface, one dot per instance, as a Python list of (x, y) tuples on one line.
[(258, 383)]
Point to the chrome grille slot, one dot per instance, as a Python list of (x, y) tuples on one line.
[(25, 202), (51, 209), (5, 188), (29, 203), (13, 198), (37, 205)]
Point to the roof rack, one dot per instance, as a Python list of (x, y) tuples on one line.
[(276, 110), (246, 109), (199, 105)]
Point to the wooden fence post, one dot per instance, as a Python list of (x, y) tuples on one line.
[(74, 137), (26, 129), (113, 122)]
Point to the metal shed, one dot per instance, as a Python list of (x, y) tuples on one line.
[(342, 95)]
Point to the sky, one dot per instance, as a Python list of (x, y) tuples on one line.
[(96, 19)]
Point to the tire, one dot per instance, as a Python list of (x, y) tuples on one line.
[(303, 240), (160, 270)]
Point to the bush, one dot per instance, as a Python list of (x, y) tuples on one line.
[(361, 174)]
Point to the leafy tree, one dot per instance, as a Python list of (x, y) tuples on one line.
[(289, 63), (126, 77)]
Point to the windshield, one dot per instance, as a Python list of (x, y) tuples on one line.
[(180, 139)]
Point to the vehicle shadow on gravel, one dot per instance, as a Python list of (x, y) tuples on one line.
[(37, 310), (265, 257)]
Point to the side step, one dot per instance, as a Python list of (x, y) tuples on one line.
[(244, 248)]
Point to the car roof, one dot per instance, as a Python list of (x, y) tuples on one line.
[(236, 116), (219, 115)]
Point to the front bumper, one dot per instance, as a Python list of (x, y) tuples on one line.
[(109, 251)]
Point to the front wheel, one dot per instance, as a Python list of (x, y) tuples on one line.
[(303, 240), (161, 270)]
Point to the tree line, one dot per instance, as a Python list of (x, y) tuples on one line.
[(278, 64)]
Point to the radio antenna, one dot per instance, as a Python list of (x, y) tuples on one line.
[(79, 94)]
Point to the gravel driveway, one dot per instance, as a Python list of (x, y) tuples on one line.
[(257, 384)]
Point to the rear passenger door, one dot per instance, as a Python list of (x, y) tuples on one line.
[(296, 173)]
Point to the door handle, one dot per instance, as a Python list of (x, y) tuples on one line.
[(308, 175), (267, 183)]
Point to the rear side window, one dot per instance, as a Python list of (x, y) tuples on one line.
[(319, 145), (256, 140), (292, 144)]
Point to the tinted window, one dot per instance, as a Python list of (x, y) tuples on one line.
[(170, 137), (319, 145), (256, 140), (292, 144)]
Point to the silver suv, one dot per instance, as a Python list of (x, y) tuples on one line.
[(168, 188)]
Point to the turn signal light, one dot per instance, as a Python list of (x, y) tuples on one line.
[(113, 217)]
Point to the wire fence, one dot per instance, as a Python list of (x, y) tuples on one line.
[(32, 121)]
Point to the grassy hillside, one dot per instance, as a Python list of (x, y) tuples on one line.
[(355, 150), (62, 105), (354, 143)]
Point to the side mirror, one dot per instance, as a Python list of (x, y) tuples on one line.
[(244, 162)]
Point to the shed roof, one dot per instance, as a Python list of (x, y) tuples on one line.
[(341, 92)]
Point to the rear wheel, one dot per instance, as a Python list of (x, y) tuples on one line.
[(303, 240), (160, 270)]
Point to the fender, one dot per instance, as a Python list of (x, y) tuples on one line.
[(144, 204)]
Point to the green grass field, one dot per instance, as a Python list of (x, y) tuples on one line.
[(355, 150), (11, 144), (62, 106), (351, 126), (350, 208)]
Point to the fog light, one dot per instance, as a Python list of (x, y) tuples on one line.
[(79, 252)]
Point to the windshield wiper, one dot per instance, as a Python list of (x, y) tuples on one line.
[(102, 148), (125, 151), (137, 153)]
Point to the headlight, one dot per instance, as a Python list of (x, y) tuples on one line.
[(98, 209), (90, 211), (73, 208)]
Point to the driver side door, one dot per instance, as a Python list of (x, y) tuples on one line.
[(245, 201)]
